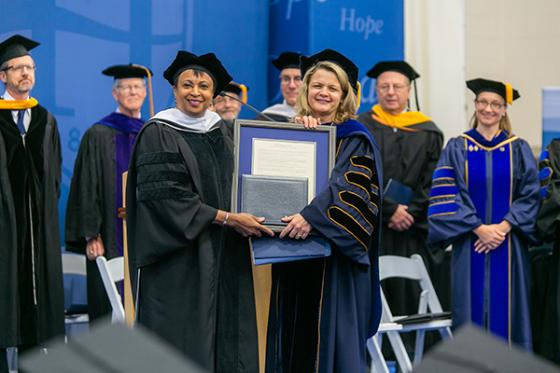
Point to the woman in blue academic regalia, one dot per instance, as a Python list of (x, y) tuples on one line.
[(484, 201), (324, 310)]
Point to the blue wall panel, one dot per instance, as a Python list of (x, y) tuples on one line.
[(79, 38), (366, 31), (551, 115)]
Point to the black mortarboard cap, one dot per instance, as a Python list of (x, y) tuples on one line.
[(399, 66), (287, 60), (473, 350), (238, 89), (234, 88), (108, 348), (335, 57), (15, 46), (126, 71), (208, 63), (485, 85)]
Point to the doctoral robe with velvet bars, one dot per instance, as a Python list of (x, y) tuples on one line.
[(322, 311), (192, 278), (545, 295), (485, 182), (96, 194)]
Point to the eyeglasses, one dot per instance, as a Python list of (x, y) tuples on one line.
[(129, 88), (288, 79), (20, 68), (223, 98), (483, 104), (384, 88)]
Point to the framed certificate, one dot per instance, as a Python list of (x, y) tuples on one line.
[(280, 167)]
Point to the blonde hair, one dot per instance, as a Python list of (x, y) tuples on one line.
[(348, 103)]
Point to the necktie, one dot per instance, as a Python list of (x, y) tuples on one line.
[(20, 125)]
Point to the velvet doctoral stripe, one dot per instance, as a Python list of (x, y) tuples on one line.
[(490, 188)]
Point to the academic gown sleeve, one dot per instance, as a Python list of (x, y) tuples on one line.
[(525, 202), (419, 204), (169, 213), (345, 212), (549, 176), (451, 212), (83, 211)]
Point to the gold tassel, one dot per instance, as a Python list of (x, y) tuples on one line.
[(150, 92), (359, 94), (509, 93), (244, 95)]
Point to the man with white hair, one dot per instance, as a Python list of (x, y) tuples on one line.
[(93, 226)]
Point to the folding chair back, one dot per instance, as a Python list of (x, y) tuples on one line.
[(75, 264), (412, 268), (112, 271)]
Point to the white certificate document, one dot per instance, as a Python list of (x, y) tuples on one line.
[(273, 157)]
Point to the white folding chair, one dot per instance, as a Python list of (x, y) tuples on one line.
[(413, 269), (74, 264), (112, 271)]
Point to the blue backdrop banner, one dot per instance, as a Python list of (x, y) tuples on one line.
[(80, 38), (366, 31), (551, 115)]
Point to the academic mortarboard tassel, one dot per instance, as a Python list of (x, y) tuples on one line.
[(485, 85), (133, 71), (239, 89), (150, 88)]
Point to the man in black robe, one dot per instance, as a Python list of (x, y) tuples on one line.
[(290, 82), (31, 295), (410, 145), (229, 103), (545, 287), (93, 227), (192, 275)]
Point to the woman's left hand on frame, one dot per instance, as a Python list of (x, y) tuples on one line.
[(297, 228), (308, 121)]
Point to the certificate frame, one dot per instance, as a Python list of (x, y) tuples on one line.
[(247, 131)]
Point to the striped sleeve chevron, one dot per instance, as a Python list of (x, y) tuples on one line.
[(357, 206), (443, 193)]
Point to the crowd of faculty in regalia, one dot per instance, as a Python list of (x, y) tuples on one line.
[(482, 213)]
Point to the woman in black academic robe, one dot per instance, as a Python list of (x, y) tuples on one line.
[(192, 276)]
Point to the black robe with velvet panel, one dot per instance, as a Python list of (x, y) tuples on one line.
[(31, 291), (96, 194), (545, 287), (194, 283)]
